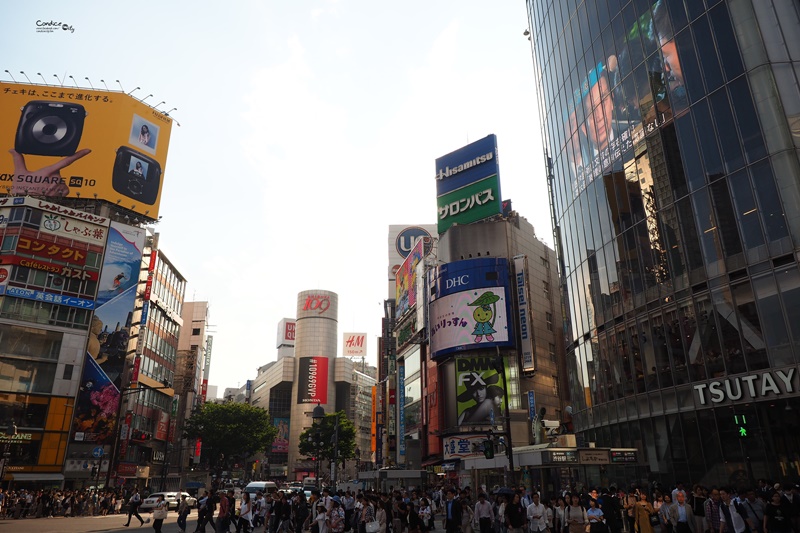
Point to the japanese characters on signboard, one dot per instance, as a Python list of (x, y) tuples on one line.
[(406, 280), (523, 312), (468, 184), (463, 447), (401, 406), (354, 344), (313, 383), (75, 142), (469, 306), (480, 397)]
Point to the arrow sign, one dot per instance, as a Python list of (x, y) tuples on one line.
[(98, 452)]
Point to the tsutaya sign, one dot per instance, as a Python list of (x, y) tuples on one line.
[(753, 386)]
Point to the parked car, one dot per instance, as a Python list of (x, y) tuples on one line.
[(173, 499)]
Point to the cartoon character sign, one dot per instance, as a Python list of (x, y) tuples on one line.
[(484, 313)]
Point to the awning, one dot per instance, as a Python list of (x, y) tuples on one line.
[(37, 477)]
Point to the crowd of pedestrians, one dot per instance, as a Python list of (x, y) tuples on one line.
[(24, 503)]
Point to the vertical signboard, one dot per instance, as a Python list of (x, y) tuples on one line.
[(406, 281), (373, 435), (281, 442), (522, 295), (313, 380), (401, 408)]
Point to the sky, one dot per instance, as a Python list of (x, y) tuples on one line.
[(307, 127)]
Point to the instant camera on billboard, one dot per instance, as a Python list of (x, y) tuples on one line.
[(281, 442), (469, 306), (480, 397), (406, 280), (74, 142)]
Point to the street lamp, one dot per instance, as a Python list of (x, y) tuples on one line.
[(317, 415), (11, 432)]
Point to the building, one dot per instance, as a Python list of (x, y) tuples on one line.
[(671, 131)]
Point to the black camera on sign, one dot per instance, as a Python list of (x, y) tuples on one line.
[(136, 175), (50, 128)]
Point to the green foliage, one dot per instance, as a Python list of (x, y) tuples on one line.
[(323, 431), (231, 430)]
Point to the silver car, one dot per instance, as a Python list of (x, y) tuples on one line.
[(173, 500)]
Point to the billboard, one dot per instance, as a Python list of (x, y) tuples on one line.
[(480, 398), (354, 344), (406, 281), (402, 239), (523, 298), (471, 203), (75, 142), (281, 442), (469, 306), (96, 406), (471, 163), (313, 383), (463, 447), (286, 331)]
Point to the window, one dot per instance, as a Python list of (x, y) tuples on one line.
[(549, 319), (545, 262), (546, 289), (195, 331), (552, 351)]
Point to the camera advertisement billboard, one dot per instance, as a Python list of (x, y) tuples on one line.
[(406, 280), (82, 143), (281, 442), (469, 306), (480, 397), (313, 383)]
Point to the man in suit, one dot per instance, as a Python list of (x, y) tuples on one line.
[(681, 515), (452, 512)]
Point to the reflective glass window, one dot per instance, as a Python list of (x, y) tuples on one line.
[(788, 279), (634, 38), (690, 70), (725, 216), (690, 155), (746, 210), (707, 53), (733, 158), (729, 331), (709, 336), (769, 201), (694, 8), (673, 161), (708, 140), (689, 231), (677, 12), (726, 41), (772, 320)]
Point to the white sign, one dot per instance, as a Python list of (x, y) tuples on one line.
[(753, 386), (524, 309), (463, 446), (354, 344)]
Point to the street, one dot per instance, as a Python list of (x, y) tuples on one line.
[(91, 523)]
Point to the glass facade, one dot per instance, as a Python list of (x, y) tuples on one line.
[(672, 128)]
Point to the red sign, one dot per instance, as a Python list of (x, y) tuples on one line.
[(289, 332), (392, 396), (317, 302), (51, 250), (61, 270), (198, 447), (3, 274), (124, 433), (204, 390), (313, 386), (126, 470), (162, 428), (137, 362)]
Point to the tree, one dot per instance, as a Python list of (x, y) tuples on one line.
[(230, 430), (323, 431)]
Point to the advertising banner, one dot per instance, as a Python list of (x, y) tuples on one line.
[(78, 230), (470, 203), (60, 141), (52, 268), (286, 332), (354, 344), (49, 249), (162, 427), (401, 406), (463, 447), (116, 298), (5, 273), (313, 384), (469, 306), (467, 165), (281, 442), (480, 397), (523, 312), (96, 406), (406, 281), (402, 239), (41, 296), (372, 441)]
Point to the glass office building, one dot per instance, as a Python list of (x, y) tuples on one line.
[(673, 129)]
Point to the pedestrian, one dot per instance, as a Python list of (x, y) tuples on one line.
[(575, 515), (452, 513), (515, 515), (160, 513), (245, 522), (712, 512), (133, 508), (224, 517), (643, 510), (681, 516), (778, 515), (183, 512)]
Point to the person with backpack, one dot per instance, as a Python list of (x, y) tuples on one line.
[(133, 508), (732, 514)]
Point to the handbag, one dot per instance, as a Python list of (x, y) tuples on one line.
[(373, 527), (654, 520), (160, 514)]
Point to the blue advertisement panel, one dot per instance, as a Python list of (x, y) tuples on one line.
[(96, 406), (473, 162), (470, 306)]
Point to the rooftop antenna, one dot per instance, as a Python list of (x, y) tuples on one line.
[(26, 76), (12, 77), (90, 82), (41, 76)]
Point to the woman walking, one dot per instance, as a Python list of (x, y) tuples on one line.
[(643, 510), (159, 513)]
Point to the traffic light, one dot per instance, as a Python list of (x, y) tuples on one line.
[(488, 449), (741, 424)]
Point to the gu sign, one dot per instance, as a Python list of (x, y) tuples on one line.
[(354, 344)]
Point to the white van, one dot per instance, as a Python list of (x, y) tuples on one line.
[(267, 487)]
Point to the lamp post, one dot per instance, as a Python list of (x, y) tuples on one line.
[(317, 416), (11, 432)]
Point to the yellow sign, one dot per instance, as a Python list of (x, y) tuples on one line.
[(81, 143)]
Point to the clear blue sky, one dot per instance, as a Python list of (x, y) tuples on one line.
[(307, 127)]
